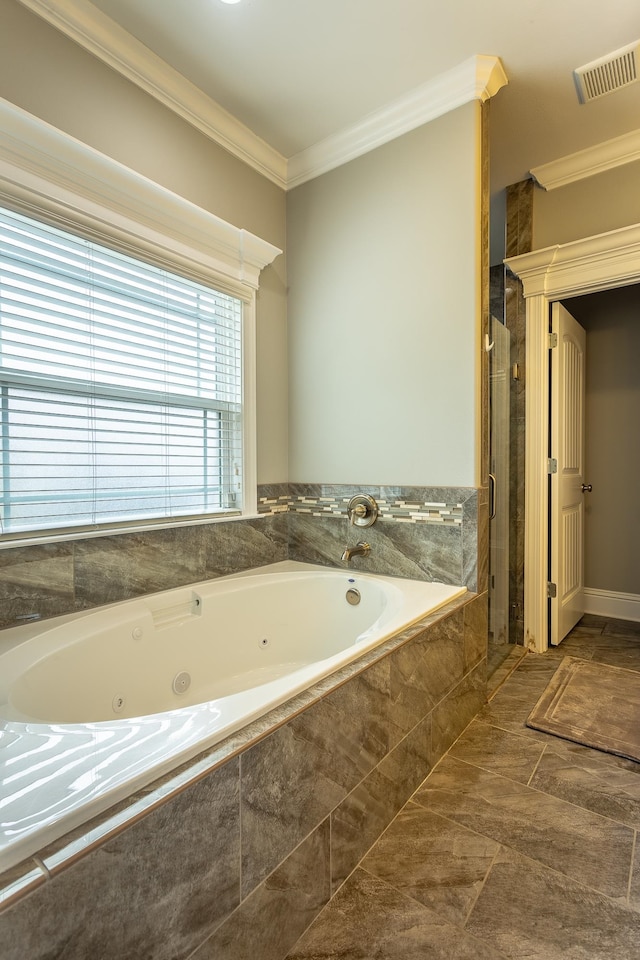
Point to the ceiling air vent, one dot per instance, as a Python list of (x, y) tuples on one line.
[(608, 74)]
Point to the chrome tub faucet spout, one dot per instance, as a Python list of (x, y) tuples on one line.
[(361, 549)]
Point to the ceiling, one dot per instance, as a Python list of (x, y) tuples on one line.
[(298, 71)]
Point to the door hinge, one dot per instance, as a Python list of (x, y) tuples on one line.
[(552, 590), (553, 340), (552, 465)]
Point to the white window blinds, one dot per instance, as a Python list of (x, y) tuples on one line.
[(120, 387)]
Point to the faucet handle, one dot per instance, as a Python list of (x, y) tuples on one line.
[(362, 510), (358, 512)]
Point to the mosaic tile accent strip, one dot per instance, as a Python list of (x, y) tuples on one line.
[(395, 507)]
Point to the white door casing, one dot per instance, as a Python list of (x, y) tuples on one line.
[(567, 452), (601, 262)]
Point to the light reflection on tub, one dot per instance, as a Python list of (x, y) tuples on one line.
[(68, 748)]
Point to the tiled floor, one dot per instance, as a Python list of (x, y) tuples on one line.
[(517, 845), (498, 653)]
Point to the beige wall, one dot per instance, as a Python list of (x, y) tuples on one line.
[(383, 260), (612, 517), (381, 382), (48, 75), (596, 205)]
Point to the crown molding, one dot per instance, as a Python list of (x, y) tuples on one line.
[(581, 266), (586, 163), (45, 170), (477, 78), (106, 40)]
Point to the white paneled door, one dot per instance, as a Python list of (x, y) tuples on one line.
[(567, 478)]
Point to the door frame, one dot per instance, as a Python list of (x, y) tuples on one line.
[(601, 262)]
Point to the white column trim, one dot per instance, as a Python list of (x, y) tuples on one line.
[(583, 266)]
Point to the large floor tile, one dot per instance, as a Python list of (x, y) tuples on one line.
[(528, 911), (591, 779), (518, 843), (497, 750), (591, 621), (435, 861), (619, 652), (370, 920), (274, 915), (630, 628), (509, 712), (574, 841)]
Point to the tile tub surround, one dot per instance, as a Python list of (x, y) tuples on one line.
[(50, 579), (240, 858), (424, 533), (518, 844)]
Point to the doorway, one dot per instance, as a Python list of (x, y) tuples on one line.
[(567, 487), (555, 273), (611, 319)]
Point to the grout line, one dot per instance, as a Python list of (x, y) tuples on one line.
[(482, 885), (490, 697), (431, 909), (543, 793), (535, 769), (525, 856), (631, 866)]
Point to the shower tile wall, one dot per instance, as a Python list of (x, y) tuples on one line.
[(507, 303), (425, 533)]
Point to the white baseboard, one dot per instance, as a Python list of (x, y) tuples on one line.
[(607, 603)]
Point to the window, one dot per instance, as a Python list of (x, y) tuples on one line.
[(120, 387)]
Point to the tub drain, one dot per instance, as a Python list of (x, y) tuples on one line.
[(181, 682)]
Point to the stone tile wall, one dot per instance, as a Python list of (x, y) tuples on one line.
[(422, 533), (239, 862), (425, 533), (519, 239), (507, 303), (51, 579)]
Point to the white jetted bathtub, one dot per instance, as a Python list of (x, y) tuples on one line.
[(94, 706)]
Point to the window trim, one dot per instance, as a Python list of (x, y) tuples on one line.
[(49, 175)]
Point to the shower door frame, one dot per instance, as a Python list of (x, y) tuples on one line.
[(591, 264)]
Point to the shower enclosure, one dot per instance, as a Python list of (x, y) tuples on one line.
[(499, 415)]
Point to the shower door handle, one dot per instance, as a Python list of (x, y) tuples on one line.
[(587, 487), (492, 496)]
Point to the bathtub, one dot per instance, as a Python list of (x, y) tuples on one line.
[(95, 706)]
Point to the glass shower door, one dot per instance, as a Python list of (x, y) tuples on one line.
[(499, 411)]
